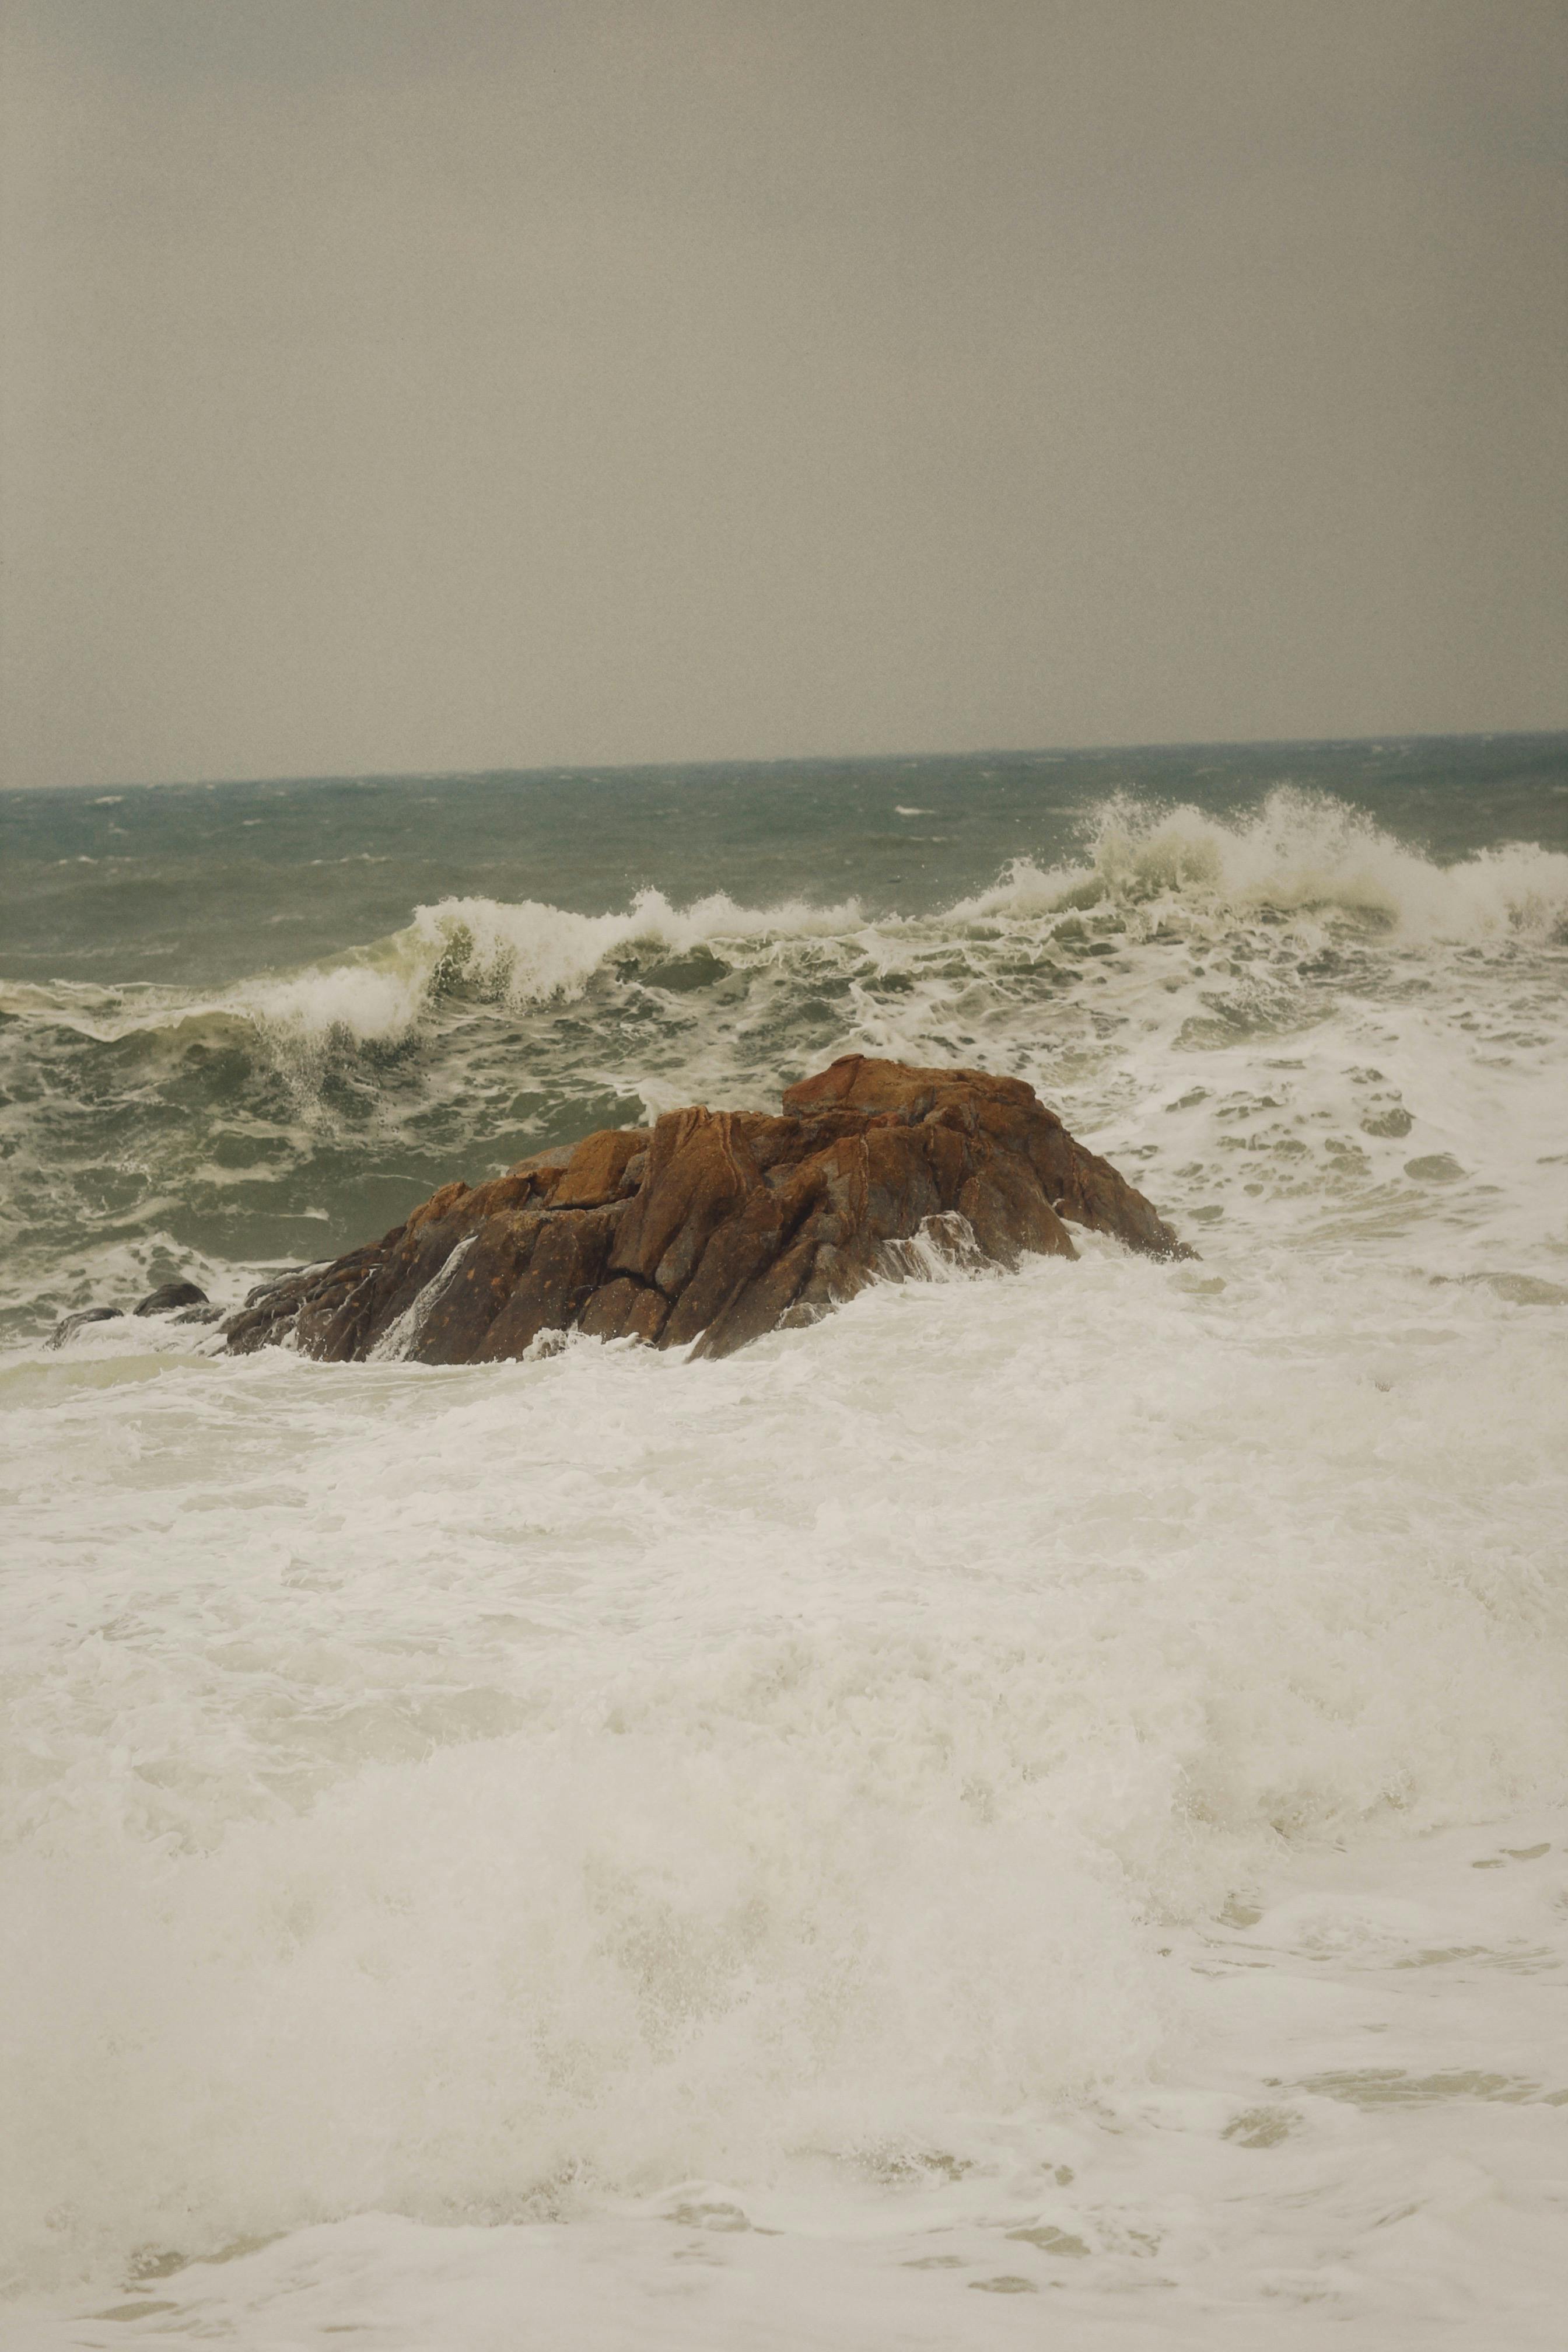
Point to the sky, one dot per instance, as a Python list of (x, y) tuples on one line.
[(430, 385)]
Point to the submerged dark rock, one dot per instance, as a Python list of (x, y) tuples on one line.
[(714, 1226), (72, 1323), (165, 1300), (171, 1295)]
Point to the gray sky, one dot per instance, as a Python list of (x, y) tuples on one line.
[(429, 384)]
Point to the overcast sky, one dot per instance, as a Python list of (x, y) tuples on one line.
[(429, 384)]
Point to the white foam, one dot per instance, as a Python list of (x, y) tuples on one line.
[(1300, 852), (1361, 2144), (439, 1789)]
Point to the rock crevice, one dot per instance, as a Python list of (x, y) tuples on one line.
[(713, 1227)]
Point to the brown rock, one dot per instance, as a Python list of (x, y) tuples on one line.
[(714, 1227), (593, 1173)]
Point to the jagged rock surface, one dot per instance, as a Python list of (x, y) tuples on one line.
[(714, 1226)]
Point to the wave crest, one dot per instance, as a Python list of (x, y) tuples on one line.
[(529, 952), (1301, 853)]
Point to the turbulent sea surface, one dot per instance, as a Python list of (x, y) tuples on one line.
[(1036, 1809)]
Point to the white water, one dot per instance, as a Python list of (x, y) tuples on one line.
[(1083, 1754)]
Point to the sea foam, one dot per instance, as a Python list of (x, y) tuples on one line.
[(527, 1785)]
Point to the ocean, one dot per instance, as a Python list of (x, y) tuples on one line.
[(1032, 1810)]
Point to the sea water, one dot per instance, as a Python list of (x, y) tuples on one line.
[(1033, 1810)]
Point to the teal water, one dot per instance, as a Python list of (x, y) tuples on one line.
[(206, 884)]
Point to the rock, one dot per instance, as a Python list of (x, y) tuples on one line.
[(1438, 1168), (72, 1323), (164, 1300), (713, 1227)]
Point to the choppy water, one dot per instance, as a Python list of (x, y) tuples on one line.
[(1055, 1786)]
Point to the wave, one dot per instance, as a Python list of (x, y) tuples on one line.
[(527, 953), (1301, 853), (1300, 857)]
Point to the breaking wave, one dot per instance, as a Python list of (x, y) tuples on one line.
[(1301, 853), (1300, 857)]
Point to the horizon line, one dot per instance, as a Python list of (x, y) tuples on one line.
[(596, 769)]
